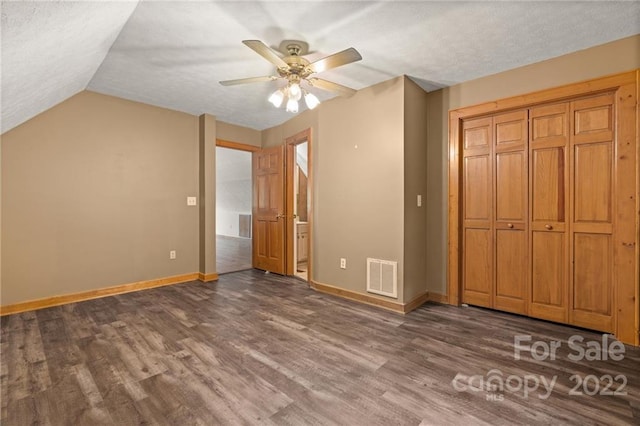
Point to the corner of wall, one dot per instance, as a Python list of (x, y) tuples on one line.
[(133, 165), (437, 184), (415, 186), (358, 185), (1, 204), (207, 193), (234, 133)]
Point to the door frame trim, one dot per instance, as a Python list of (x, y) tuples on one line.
[(237, 145), (562, 93), (290, 143)]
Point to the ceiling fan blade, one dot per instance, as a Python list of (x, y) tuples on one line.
[(347, 56), (266, 52), (248, 80), (331, 86)]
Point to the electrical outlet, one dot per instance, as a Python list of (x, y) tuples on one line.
[(192, 201), (172, 254), (343, 263)]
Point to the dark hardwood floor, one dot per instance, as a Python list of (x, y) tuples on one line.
[(232, 254), (265, 349)]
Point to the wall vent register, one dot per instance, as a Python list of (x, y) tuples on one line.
[(382, 277)]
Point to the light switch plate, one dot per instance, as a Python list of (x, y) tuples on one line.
[(191, 201), (419, 200)]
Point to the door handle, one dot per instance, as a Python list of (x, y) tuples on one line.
[(549, 227), (282, 216)]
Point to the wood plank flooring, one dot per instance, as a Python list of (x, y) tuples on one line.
[(265, 349), (232, 254)]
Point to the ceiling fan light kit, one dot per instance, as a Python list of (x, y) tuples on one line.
[(295, 69), (277, 97), (311, 100), (292, 105)]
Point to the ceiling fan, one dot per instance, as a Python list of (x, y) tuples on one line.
[(295, 69)]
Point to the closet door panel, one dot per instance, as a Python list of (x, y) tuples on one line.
[(511, 130), (549, 290), (548, 195), (477, 266), (511, 185), (549, 123), (592, 213), (593, 119), (511, 270), (592, 273), (547, 185), (511, 218), (477, 194), (593, 182)]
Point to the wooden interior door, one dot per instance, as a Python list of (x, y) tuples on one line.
[(477, 238), (511, 222), (268, 210), (548, 193), (592, 215)]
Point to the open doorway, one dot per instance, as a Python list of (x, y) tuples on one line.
[(233, 210), (301, 213), (299, 205)]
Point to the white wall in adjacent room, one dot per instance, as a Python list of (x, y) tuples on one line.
[(233, 194)]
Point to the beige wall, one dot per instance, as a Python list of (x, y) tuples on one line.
[(436, 204), (94, 190), (615, 57), (359, 197), (207, 127), (277, 135), (94, 195), (359, 193), (415, 183), (234, 133), (1, 202)]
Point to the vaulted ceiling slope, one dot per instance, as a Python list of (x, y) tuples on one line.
[(51, 50), (172, 54)]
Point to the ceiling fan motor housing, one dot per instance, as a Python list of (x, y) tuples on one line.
[(297, 66), (294, 47)]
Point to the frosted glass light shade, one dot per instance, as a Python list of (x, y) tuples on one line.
[(292, 105), (295, 92), (311, 100), (276, 98)]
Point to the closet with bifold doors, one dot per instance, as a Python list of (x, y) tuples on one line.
[(547, 211)]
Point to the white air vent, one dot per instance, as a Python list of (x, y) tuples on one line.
[(382, 277)]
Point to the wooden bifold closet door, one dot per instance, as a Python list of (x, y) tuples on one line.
[(592, 206), (544, 205), (538, 209), (495, 212), (548, 196)]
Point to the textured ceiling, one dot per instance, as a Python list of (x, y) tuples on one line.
[(172, 54), (51, 50)]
